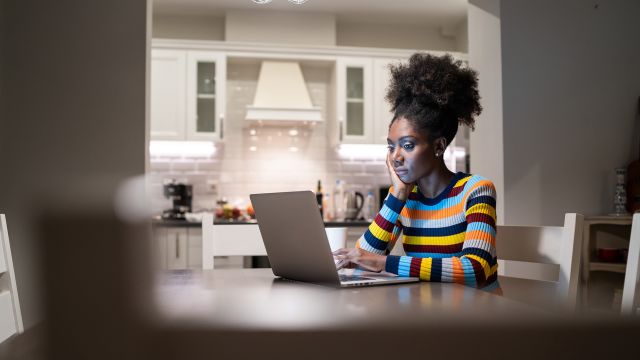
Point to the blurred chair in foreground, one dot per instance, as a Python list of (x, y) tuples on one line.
[(539, 265), (10, 315), (630, 296)]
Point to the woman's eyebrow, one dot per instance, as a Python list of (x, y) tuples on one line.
[(402, 138)]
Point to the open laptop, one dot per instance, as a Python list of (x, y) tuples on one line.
[(296, 242)]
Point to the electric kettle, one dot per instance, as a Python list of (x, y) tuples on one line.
[(353, 202)]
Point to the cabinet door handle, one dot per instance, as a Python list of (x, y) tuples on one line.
[(221, 126), (177, 246)]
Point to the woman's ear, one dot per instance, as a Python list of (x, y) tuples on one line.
[(439, 146)]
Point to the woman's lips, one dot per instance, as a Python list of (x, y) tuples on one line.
[(401, 172)]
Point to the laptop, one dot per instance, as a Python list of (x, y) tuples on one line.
[(296, 242)]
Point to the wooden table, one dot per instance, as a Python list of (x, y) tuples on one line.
[(256, 299), (248, 313)]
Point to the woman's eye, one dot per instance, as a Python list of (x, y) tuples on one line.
[(408, 146), (390, 147)]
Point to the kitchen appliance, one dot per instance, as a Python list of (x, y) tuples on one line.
[(353, 202), (181, 194), (383, 191), (282, 97)]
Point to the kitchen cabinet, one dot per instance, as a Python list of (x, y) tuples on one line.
[(382, 114), (168, 94), (178, 247), (363, 113), (187, 94), (354, 103)]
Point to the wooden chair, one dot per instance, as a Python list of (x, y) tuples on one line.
[(540, 264), (10, 315), (630, 296), (229, 240)]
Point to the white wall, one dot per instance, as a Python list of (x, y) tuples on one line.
[(194, 27), (394, 36), (571, 81), (280, 27), (304, 28), (462, 36), (72, 116), (486, 142)]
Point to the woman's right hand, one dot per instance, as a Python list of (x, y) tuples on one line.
[(401, 189)]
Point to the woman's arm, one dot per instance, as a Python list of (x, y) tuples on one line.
[(382, 234), (377, 241)]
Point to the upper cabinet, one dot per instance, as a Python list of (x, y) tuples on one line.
[(354, 103), (187, 94), (168, 94), (382, 114), (362, 112)]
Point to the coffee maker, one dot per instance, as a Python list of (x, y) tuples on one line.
[(181, 194)]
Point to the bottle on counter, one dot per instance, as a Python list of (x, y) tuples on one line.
[(327, 206), (369, 208), (319, 196)]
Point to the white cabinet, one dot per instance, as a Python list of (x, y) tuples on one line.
[(382, 114), (178, 247), (187, 94), (354, 96), (168, 94), (363, 113)]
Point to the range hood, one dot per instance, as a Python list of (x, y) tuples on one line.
[(282, 96)]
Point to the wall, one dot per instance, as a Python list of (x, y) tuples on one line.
[(280, 27), (393, 36), (73, 114), (462, 36), (486, 142), (237, 171), (195, 27), (571, 83), (310, 29)]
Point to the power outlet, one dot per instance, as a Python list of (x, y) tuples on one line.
[(212, 187)]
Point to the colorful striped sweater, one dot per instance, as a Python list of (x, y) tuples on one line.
[(450, 238)]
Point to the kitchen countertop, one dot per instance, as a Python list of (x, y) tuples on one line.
[(156, 221)]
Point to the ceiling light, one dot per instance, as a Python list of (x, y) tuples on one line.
[(298, 2), (261, 2), (293, 132), (253, 148)]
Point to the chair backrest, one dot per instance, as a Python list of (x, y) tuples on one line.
[(229, 240), (548, 253), (10, 315), (630, 296)]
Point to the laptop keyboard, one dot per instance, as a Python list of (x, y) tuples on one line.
[(353, 278)]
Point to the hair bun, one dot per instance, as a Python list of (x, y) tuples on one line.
[(436, 83)]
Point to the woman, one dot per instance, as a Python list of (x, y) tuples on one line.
[(447, 220)]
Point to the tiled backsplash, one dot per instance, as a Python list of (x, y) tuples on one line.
[(236, 171)]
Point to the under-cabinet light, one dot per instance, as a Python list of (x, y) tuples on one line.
[(362, 151), (181, 148)]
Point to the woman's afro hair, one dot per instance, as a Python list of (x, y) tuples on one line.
[(435, 93)]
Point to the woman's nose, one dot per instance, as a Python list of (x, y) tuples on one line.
[(396, 158)]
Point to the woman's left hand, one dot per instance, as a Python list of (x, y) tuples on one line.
[(349, 258)]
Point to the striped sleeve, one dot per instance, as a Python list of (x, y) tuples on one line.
[(385, 229), (476, 265)]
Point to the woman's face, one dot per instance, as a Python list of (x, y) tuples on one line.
[(411, 155)]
